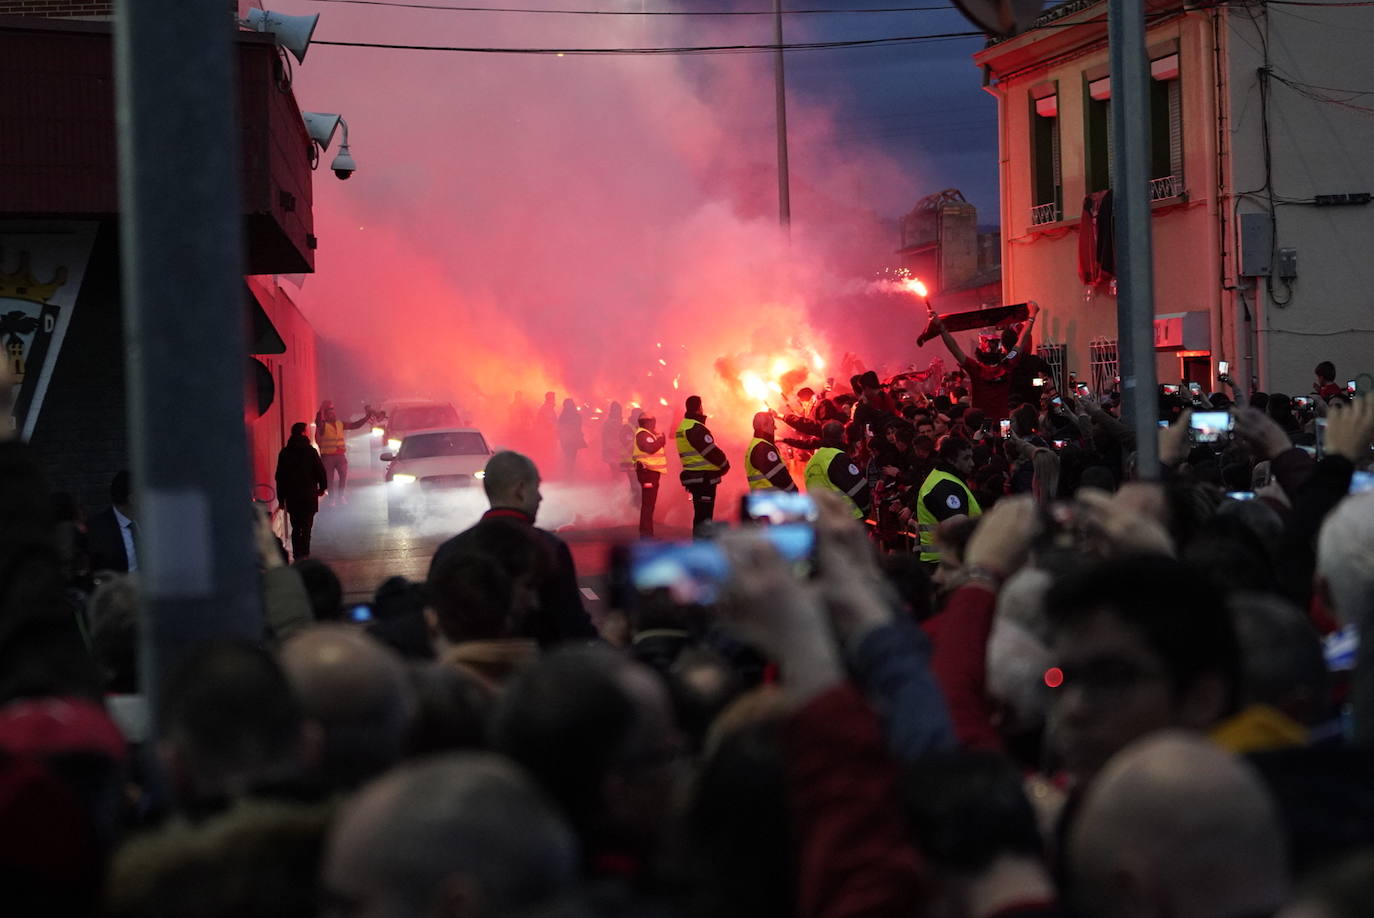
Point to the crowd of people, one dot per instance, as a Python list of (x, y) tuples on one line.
[(1021, 680)]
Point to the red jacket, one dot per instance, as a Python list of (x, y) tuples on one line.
[(959, 646), (854, 855)]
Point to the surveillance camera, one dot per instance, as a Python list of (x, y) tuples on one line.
[(343, 164)]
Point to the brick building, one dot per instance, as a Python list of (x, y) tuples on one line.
[(60, 293), (943, 246)]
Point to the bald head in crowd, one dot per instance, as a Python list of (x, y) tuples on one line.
[(1174, 826), (463, 836), (356, 690), (512, 483)]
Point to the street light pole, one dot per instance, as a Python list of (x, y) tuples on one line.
[(780, 95), (1131, 203), (183, 305)]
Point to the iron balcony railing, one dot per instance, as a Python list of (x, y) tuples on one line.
[(1170, 186), (1045, 213)]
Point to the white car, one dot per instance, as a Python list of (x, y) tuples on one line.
[(402, 416), (430, 463)]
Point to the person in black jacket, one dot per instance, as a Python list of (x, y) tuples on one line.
[(301, 481), (112, 533)]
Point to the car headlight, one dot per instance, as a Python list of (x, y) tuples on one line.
[(393, 444), (480, 474), (402, 478)]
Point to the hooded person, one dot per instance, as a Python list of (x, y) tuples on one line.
[(301, 480)]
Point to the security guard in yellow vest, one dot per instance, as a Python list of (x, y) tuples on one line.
[(703, 463), (943, 494), (831, 469), (762, 463), (650, 463), (329, 437)]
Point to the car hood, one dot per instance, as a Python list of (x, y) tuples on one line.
[(440, 465)]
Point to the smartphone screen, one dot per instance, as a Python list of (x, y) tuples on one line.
[(693, 573), (1223, 367), (1169, 389), (778, 507), (1350, 386), (1361, 482), (361, 613), (1209, 426), (1060, 444), (1241, 495), (1302, 401), (1083, 389), (1004, 427), (1037, 382), (1194, 388), (1163, 423)]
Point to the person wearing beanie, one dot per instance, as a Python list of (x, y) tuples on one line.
[(703, 464), (832, 469)]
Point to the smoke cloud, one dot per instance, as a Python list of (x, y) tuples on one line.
[(601, 227)]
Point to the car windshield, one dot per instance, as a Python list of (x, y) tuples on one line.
[(423, 416), (460, 443)]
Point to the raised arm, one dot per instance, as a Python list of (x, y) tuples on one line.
[(1034, 309), (945, 335)]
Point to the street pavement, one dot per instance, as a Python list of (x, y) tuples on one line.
[(355, 540)]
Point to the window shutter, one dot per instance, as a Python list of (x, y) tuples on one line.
[(1176, 130)]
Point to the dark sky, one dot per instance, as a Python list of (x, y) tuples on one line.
[(922, 103)]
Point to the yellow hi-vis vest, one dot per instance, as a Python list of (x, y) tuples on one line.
[(818, 477), (692, 461), (926, 520), (653, 462), (758, 481), (330, 438)]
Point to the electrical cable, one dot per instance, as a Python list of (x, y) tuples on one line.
[(690, 49), (508, 9)]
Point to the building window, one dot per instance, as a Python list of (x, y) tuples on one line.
[(1097, 134), (1104, 365), (1166, 129), (1054, 356), (1047, 202)]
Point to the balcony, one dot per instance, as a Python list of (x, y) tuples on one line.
[(1170, 186), (1041, 214)]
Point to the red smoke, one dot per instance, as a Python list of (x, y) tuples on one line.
[(545, 223)]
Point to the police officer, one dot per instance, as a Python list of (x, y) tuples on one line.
[(703, 464), (832, 469), (944, 494), (650, 463), (763, 465)]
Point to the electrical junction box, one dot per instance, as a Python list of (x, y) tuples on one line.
[(1288, 263), (1256, 245)]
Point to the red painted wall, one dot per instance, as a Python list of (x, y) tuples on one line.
[(294, 373)]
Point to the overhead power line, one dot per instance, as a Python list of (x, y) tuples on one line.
[(692, 49), (508, 9)]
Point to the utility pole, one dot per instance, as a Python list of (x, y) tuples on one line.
[(1135, 312), (183, 304), (780, 94)]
